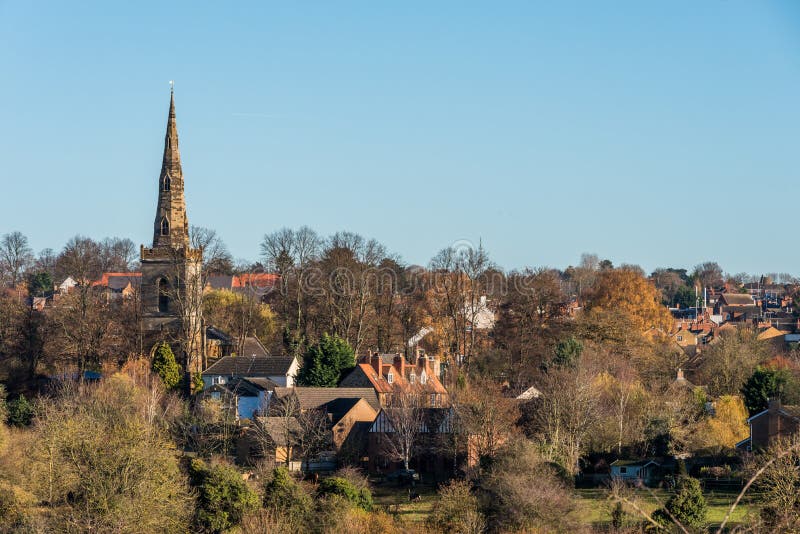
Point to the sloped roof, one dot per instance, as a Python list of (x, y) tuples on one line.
[(265, 384), (251, 366), (275, 428), (119, 282), (212, 332), (220, 281), (262, 280), (105, 279), (312, 398), (770, 333), (736, 299), (365, 374), (253, 347)]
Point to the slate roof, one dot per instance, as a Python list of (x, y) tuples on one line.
[(312, 398), (250, 366), (275, 429), (212, 332), (265, 384), (338, 408), (249, 387), (120, 282), (736, 299), (253, 347)]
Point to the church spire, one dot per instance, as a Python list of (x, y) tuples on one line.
[(171, 227)]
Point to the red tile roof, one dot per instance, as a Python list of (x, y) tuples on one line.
[(255, 279), (104, 279)]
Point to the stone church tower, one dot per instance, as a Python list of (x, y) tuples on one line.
[(171, 291)]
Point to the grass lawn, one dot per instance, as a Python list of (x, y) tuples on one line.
[(394, 499), (595, 507)]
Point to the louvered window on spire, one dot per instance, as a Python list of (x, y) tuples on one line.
[(167, 183), (164, 227)]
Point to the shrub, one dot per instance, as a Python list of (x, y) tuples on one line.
[(223, 497), (687, 505), (361, 498), (165, 366), (20, 412), (456, 510), (285, 495)]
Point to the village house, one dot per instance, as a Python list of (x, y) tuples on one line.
[(641, 471), (255, 362), (777, 421), (245, 398), (119, 285), (397, 376), (434, 450)]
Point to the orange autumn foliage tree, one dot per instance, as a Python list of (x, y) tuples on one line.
[(628, 292)]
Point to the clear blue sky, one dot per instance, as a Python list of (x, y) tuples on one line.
[(657, 133)]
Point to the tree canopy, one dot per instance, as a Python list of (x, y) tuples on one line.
[(326, 362)]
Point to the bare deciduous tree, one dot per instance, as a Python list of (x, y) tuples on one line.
[(15, 257)]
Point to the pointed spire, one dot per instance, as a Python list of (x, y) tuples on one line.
[(171, 227)]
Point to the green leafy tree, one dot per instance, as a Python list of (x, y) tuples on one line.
[(325, 362), (362, 498), (20, 412), (567, 352), (39, 284), (766, 383), (165, 366), (223, 497), (685, 297), (687, 505)]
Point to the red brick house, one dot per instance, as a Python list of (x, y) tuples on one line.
[(398, 377), (777, 421)]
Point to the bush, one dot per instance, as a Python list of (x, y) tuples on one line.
[(456, 510), (687, 505), (165, 366), (223, 497), (361, 498), (285, 495), (20, 412)]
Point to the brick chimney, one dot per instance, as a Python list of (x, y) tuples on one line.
[(376, 364), (400, 364), (422, 363)]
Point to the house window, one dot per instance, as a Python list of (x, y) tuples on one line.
[(215, 395), (164, 226), (390, 377), (423, 378), (433, 400), (680, 338), (167, 183), (412, 378), (623, 470), (163, 296)]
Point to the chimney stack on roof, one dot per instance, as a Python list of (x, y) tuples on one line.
[(400, 364), (376, 364)]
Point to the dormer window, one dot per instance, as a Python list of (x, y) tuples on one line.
[(390, 377), (412, 378), (164, 226), (167, 182), (423, 377)]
